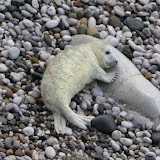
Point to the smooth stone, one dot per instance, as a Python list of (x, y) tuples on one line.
[(52, 24), (115, 145), (67, 38), (126, 124), (116, 135), (50, 152), (28, 131), (99, 149), (114, 21), (112, 41), (155, 138), (97, 91), (119, 11), (51, 11), (82, 29), (30, 9), (104, 124), (9, 116), (13, 52), (8, 143), (143, 2), (35, 4), (111, 2), (134, 24), (17, 100), (126, 141), (3, 120), (28, 23), (92, 31), (27, 46), (17, 15), (91, 22), (3, 68)]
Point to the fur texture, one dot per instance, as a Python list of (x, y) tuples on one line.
[(68, 73)]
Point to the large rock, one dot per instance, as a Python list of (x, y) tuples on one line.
[(130, 87)]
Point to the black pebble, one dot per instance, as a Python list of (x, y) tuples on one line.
[(155, 138), (104, 124)]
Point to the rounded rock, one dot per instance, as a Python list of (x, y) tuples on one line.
[(27, 46), (28, 23), (13, 52), (3, 68), (104, 124), (116, 135), (52, 24), (28, 131), (126, 141), (50, 152)]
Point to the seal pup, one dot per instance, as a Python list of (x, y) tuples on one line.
[(68, 73)]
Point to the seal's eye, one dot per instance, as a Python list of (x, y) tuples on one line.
[(107, 52)]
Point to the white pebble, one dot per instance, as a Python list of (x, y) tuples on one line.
[(116, 135), (3, 68), (127, 124), (91, 22), (27, 46), (44, 55), (13, 52), (28, 23), (111, 30), (126, 141), (111, 2), (35, 4), (147, 140), (136, 47), (52, 24), (67, 38), (119, 11), (50, 152), (17, 100), (100, 99), (144, 1), (28, 131), (97, 91), (114, 145), (16, 77), (51, 11), (112, 41)]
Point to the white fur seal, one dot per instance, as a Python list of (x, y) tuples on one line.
[(68, 73)]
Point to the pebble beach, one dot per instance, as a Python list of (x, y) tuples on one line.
[(32, 33)]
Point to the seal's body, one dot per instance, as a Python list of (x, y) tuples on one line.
[(68, 73)]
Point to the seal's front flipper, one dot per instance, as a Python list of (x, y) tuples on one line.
[(59, 123), (101, 75)]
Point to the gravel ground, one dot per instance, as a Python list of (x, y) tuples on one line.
[(32, 33)]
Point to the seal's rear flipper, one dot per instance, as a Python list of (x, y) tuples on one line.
[(59, 123)]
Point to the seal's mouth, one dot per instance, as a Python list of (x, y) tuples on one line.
[(113, 64)]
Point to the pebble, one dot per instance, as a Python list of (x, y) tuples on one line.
[(3, 68), (97, 91), (28, 131), (50, 152), (91, 22), (13, 53), (28, 23), (138, 25), (51, 11), (127, 124), (104, 124), (126, 141), (116, 135), (52, 24), (115, 146), (119, 11), (27, 46)]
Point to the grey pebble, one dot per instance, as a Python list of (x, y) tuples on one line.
[(3, 68), (13, 52), (28, 131), (30, 8)]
